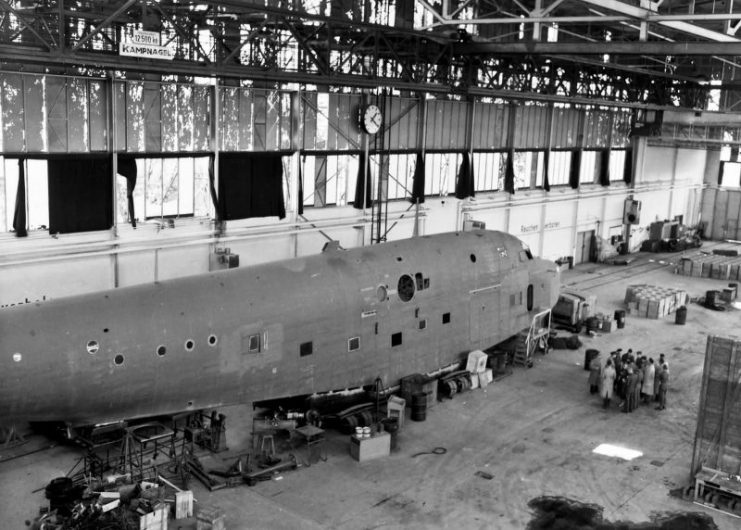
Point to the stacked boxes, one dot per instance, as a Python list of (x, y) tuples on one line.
[(476, 366), (649, 301), (715, 266)]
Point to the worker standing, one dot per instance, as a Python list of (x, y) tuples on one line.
[(630, 391), (649, 373), (608, 382), (595, 371), (663, 386)]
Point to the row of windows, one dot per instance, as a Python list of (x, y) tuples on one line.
[(353, 343), (179, 187)]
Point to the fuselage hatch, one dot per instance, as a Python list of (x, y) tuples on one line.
[(339, 319)]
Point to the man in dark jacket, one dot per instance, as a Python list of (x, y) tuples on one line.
[(663, 386)]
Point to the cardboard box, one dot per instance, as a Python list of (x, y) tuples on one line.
[(485, 378), (476, 362)]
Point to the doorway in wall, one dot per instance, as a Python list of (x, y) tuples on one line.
[(584, 246)]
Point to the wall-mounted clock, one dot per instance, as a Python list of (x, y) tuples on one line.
[(371, 119)]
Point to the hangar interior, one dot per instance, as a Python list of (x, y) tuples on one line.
[(144, 141)]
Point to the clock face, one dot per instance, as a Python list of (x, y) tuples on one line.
[(372, 118)]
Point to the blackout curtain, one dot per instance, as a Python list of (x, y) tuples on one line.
[(19, 216), (509, 172), (574, 169), (464, 186), (418, 183), (363, 182), (300, 197), (250, 185), (212, 186), (80, 194), (604, 167), (127, 168), (546, 170), (628, 166)]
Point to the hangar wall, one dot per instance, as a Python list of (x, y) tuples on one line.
[(667, 180)]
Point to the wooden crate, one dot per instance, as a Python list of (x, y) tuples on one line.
[(718, 434)]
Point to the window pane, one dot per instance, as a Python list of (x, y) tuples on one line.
[(153, 187), (731, 174), (617, 165), (185, 187), (559, 164), (588, 168), (202, 190)]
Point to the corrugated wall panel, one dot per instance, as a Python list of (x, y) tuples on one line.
[(169, 117), (597, 129), (98, 115), (56, 114), (77, 113), (490, 125), (308, 106), (402, 117), (531, 127), (565, 128), (446, 125), (34, 109)]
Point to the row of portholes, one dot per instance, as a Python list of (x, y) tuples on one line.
[(93, 347)]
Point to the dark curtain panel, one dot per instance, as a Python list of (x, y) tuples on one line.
[(509, 173), (546, 170), (80, 194), (465, 186), (628, 166), (574, 169), (19, 216), (363, 162), (212, 187), (418, 184), (604, 168), (300, 197), (250, 185), (720, 173), (127, 168)]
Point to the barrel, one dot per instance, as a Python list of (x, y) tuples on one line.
[(391, 426), (419, 406), (620, 318), (588, 356), (711, 298), (681, 316)]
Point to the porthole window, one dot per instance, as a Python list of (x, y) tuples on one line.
[(473, 258), (189, 344), (118, 359), (353, 344), (406, 288), (161, 350), (530, 297), (17, 357), (212, 340), (382, 293), (93, 347)]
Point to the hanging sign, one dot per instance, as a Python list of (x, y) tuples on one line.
[(144, 44)]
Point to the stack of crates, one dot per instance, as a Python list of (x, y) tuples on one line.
[(649, 301), (715, 266)]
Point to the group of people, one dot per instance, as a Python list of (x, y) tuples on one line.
[(635, 379)]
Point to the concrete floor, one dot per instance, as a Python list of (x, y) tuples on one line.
[(534, 431)]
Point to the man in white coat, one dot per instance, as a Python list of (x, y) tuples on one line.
[(649, 374), (608, 381)]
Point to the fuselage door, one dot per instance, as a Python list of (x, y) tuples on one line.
[(484, 315)]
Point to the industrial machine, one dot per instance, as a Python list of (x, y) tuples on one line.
[(572, 310)]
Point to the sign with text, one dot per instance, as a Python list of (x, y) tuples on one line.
[(144, 44)]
